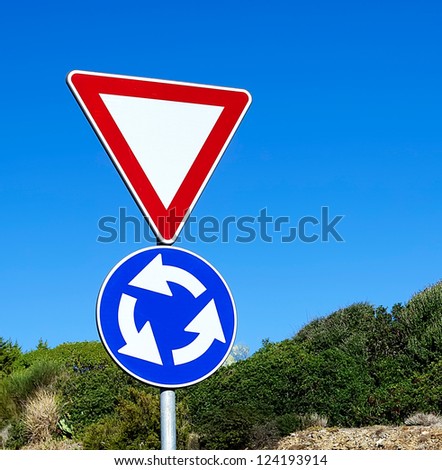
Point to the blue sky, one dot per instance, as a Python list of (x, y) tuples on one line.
[(346, 114)]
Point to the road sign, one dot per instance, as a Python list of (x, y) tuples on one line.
[(165, 138), (166, 317)]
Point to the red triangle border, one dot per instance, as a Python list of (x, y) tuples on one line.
[(166, 223)]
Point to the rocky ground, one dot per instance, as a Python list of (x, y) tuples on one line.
[(369, 438)]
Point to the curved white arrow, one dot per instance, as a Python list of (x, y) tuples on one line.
[(208, 325), (155, 276), (140, 344)]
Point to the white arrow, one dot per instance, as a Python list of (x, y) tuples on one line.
[(208, 325), (155, 276), (140, 344)]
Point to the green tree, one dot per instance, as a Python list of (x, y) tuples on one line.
[(9, 353)]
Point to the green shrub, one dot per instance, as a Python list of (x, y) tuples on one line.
[(185, 438), (17, 435), (79, 356), (391, 402), (336, 385), (360, 365), (360, 330), (91, 393), (228, 429), (278, 384), (264, 436), (421, 322), (8, 409), (104, 434), (288, 423), (135, 424), (427, 389), (346, 329), (90, 384), (21, 384)]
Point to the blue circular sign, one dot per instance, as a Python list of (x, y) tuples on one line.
[(166, 316)]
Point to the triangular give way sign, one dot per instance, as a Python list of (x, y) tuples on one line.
[(164, 137)]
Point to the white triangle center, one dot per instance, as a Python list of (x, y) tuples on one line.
[(165, 136)]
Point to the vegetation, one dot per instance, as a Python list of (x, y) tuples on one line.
[(359, 366)]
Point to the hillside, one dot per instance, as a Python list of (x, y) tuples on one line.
[(349, 379)]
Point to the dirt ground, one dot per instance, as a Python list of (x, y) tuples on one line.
[(370, 438)]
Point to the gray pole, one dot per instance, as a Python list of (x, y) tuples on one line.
[(167, 413), (168, 419)]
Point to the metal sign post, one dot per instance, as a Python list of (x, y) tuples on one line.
[(167, 412), (168, 419)]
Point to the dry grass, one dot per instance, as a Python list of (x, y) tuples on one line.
[(424, 419), (41, 415), (314, 420), (54, 444), (368, 438)]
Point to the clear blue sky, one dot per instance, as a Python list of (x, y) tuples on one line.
[(346, 113)]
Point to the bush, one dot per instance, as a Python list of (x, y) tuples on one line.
[(288, 423), (135, 424), (264, 436), (8, 409), (90, 384), (392, 402), (77, 357), (17, 437), (427, 389), (278, 384), (90, 387), (347, 329), (91, 393), (336, 385), (228, 429), (360, 365), (360, 330), (21, 384), (103, 434), (292, 422), (422, 323)]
